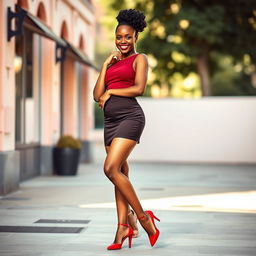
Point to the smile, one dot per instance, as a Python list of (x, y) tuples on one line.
[(124, 47)]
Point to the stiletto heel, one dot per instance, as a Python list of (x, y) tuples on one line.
[(130, 241), (152, 238), (119, 246)]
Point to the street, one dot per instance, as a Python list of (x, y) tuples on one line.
[(204, 210)]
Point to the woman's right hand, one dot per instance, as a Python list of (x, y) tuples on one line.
[(113, 57)]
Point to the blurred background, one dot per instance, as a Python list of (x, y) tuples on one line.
[(199, 100), (195, 48), (200, 97), (195, 164)]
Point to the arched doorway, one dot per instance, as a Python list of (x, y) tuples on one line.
[(28, 84), (84, 101), (84, 106), (63, 34), (23, 4), (68, 116), (80, 86)]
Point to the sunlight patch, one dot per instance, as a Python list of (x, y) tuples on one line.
[(244, 201)]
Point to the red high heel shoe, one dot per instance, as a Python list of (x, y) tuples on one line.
[(152, 238), (119, 246)]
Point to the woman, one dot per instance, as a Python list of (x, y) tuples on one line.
[(123, 76)]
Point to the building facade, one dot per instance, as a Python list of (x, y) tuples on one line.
[(46, 79)]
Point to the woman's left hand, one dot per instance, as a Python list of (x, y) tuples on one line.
[(103, 98)]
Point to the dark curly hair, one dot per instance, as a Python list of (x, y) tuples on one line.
[(133, 18)]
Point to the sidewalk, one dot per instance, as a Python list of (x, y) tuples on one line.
[(204, 210)]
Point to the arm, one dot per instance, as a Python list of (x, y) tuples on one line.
[(99, 88), (140, 80)]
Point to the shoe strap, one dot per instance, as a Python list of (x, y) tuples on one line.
[(122, 224), (142, 217)]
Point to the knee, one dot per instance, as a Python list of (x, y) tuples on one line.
[(125, 169), (110, 171)]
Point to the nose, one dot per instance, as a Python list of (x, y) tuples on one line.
[(123, 40)]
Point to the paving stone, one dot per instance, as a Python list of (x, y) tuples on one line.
[(190, 228)]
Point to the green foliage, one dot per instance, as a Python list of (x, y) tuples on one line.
[(215, 23), (68, 141), (226, 81), (240, 29), (99, 117), (222, 27)]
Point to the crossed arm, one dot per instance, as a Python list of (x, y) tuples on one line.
[(101, 95), (140, 80)]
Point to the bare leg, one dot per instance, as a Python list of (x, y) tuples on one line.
[(123, 209), (132, 221), (119, 151), (131, 216)]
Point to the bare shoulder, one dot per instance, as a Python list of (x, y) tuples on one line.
[(142, 57)]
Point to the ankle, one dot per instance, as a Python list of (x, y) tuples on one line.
[(123, 224), (143, 217), (121, 229)]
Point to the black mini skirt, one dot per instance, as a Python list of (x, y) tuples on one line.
[(123, 117)]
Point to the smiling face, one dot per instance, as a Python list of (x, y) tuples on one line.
[(125, 39)]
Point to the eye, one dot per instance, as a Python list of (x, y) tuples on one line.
[(119, 37)]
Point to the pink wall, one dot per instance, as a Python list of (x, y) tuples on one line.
[(79, 22), (1, 73), (7, 93), (69, 90), (85, 103), (47, 83)]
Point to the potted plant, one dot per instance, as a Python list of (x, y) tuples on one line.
[(66, 155)]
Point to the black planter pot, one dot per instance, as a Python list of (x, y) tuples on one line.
[(65, 160)]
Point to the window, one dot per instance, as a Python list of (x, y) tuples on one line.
[(27, 80)]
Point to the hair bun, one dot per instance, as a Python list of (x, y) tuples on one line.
[(132, 17)]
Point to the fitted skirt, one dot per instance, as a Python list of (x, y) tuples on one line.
[(123, 117)]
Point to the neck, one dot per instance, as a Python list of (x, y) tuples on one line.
[(128, 54)]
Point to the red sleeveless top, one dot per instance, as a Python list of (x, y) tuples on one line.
[(121, 74)]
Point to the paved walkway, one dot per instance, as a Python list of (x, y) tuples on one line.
[(204, 210)]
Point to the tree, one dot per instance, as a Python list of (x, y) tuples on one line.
[(182, 34)]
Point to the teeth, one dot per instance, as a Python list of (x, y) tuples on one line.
[(124, 47)]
